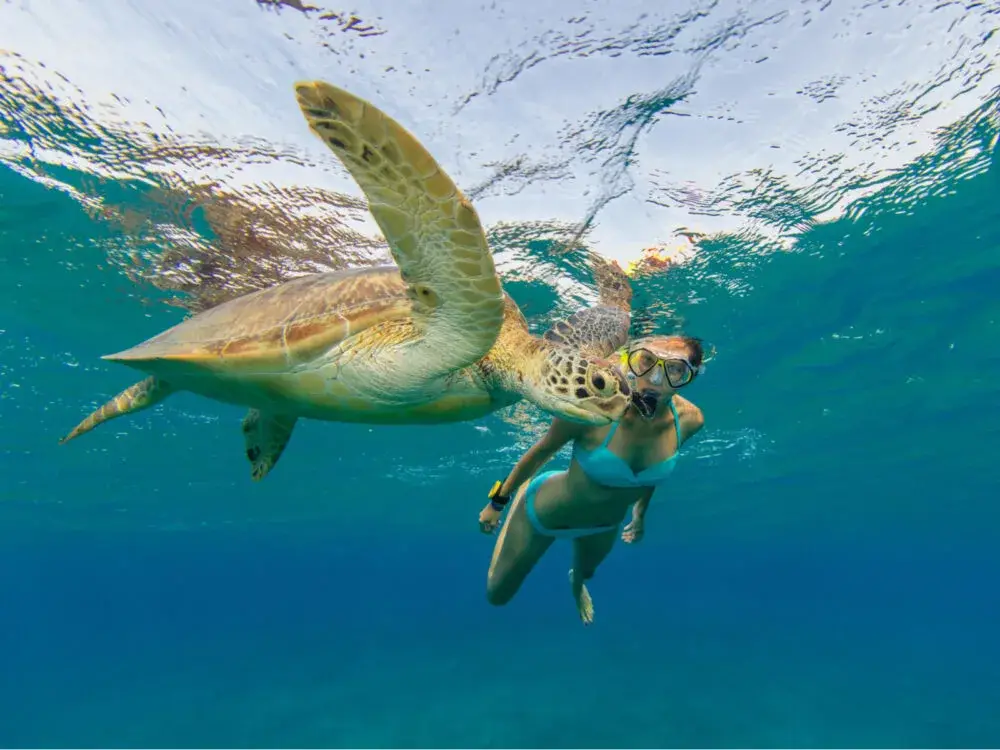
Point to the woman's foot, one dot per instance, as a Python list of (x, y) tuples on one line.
[(584, 604)]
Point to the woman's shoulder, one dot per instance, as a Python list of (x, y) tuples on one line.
[(690, 415)]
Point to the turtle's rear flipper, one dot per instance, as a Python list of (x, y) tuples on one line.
[(266, 436), (140, 396)]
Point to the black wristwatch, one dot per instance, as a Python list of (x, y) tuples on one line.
[(498, 501)]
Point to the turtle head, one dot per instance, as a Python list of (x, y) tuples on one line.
[(576, 387)]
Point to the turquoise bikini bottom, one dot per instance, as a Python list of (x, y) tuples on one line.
[(529, 508)]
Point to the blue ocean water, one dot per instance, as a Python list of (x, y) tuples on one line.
[(822, 573)]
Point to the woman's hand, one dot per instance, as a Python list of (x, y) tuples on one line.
[(489, 519), (634, 529)]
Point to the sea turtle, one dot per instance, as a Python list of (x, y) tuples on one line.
[(433, 339)]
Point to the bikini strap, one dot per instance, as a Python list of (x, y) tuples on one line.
[(611, 434), (677, 423)]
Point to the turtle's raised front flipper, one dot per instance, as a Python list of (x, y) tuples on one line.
[(432, 229), (601, 330), (596, 332), (140, 396), (266, 436)]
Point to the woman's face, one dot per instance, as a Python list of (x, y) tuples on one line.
[(659, 366)]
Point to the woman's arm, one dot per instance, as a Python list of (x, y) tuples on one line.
[(642, 504), (635, 528), (692, 420), (559, 433)]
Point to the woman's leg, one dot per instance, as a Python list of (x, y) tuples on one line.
[(588, 553), (518, 548)]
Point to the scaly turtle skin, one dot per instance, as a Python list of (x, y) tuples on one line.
[(434, 339)]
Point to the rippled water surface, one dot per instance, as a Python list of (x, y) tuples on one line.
[(809, 186)]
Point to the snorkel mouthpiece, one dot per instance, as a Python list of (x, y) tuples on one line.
[(645, 403)]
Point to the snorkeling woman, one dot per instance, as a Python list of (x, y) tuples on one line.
[(613, 469)]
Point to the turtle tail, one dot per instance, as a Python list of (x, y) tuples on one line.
[(140, 396)]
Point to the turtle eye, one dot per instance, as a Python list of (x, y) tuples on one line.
[(601, 383)]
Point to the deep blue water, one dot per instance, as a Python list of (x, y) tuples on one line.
[(822, 574), (277, 638)]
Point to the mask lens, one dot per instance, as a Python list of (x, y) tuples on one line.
[(641, 361), (679, 372)]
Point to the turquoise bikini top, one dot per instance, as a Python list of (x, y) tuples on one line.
[(604, 467)]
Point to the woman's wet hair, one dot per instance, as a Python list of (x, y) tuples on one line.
[(695, 349)]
